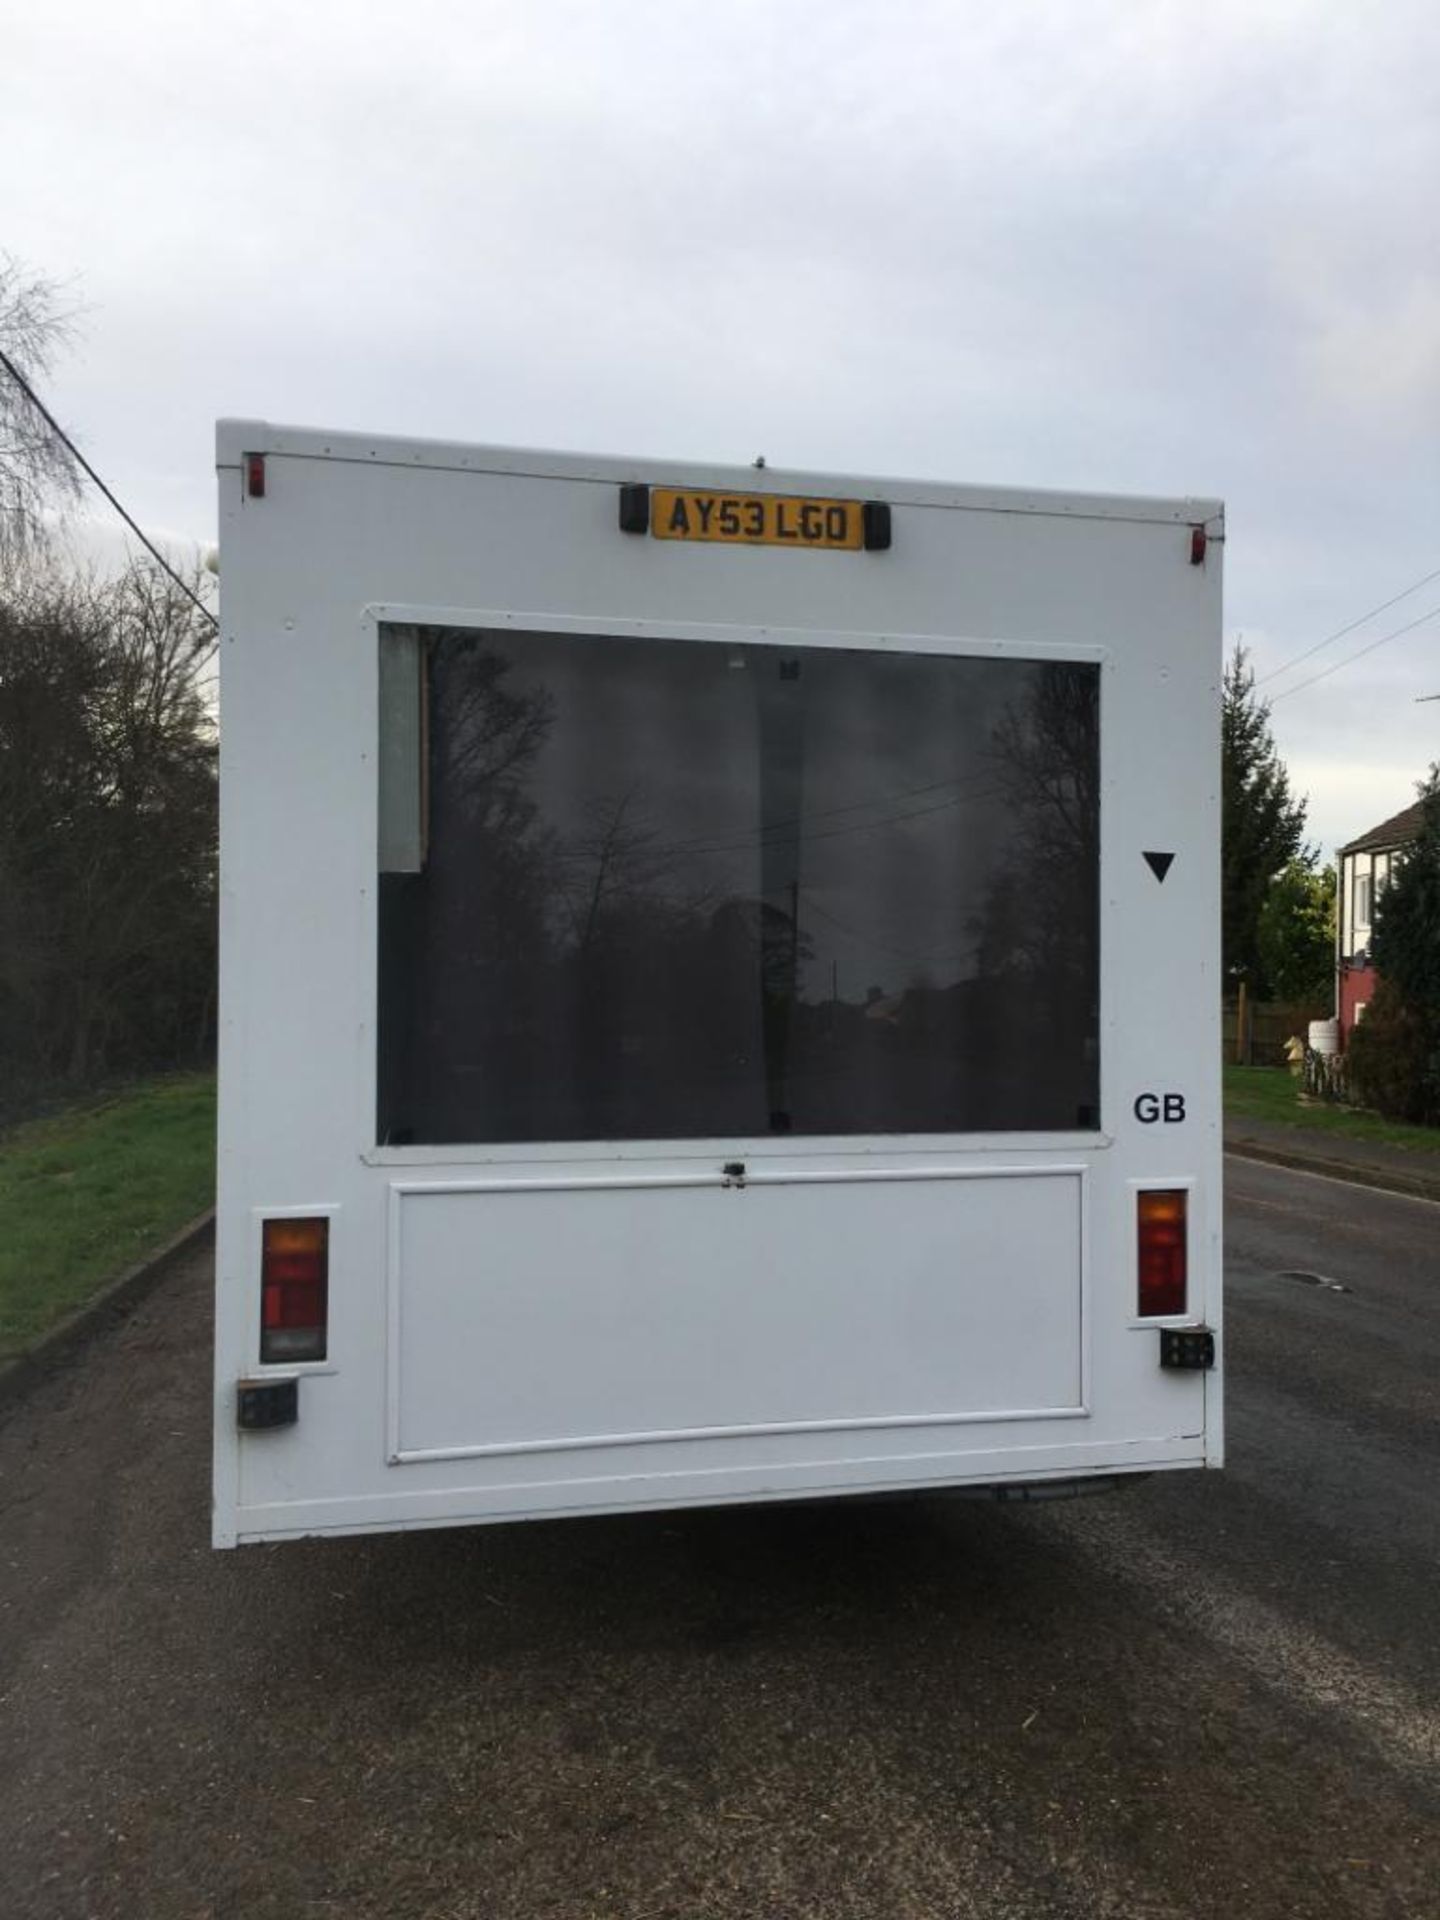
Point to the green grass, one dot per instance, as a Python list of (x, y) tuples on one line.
[(1269, 1093), (86, 1193)]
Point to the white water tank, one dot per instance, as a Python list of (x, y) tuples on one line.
[(1324, 1036)]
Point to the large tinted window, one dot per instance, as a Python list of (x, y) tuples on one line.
[(641, 889)]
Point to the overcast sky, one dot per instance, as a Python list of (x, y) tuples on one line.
[(1133, 246)]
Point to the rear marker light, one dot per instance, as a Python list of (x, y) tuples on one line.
[(294, 1289), (1161, 1220), (255, 475)]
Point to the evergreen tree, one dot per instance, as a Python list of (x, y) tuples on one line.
[(1406, 939), (1394, 1052), (1262, 822)]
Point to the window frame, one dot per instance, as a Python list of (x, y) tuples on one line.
[(748, 1147)]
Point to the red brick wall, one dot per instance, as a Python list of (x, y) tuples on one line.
[(1357, 984)]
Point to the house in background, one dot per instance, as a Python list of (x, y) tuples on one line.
[(1363, 873)]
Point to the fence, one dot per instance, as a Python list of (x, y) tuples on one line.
[(1268, 1024)]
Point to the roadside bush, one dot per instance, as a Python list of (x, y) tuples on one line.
[(1296, 934), (1394, 1059)]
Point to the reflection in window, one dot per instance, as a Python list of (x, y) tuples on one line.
[(661, 889)]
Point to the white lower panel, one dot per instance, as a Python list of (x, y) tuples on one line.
[(530, 1316), (413, 1506)]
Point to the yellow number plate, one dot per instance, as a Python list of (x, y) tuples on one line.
[(756, 519)]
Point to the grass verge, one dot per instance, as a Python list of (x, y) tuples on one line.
[(86, 1193), (1269, 1094)]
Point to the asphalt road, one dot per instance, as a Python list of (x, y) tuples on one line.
[(1210, 1696)]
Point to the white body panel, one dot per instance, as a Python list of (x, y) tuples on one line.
[(521, 1330)]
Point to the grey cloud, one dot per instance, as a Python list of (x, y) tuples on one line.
[(1125, 247)]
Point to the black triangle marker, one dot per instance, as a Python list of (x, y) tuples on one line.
[(1159, 864)]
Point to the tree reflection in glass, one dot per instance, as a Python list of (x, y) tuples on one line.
[(678, 889)]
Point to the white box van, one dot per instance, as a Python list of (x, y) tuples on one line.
[(720, 986)]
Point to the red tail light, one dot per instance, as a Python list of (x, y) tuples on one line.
[(294, 1289), (1162, 1236)]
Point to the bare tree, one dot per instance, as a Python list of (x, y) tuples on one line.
[(107, 828), (36, 468), (1039, 914)]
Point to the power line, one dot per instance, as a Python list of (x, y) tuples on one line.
[(1351, 658), (55, 427), (780, 833), (766, 842), (1340, 632), (883, 946), (776, 831)]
